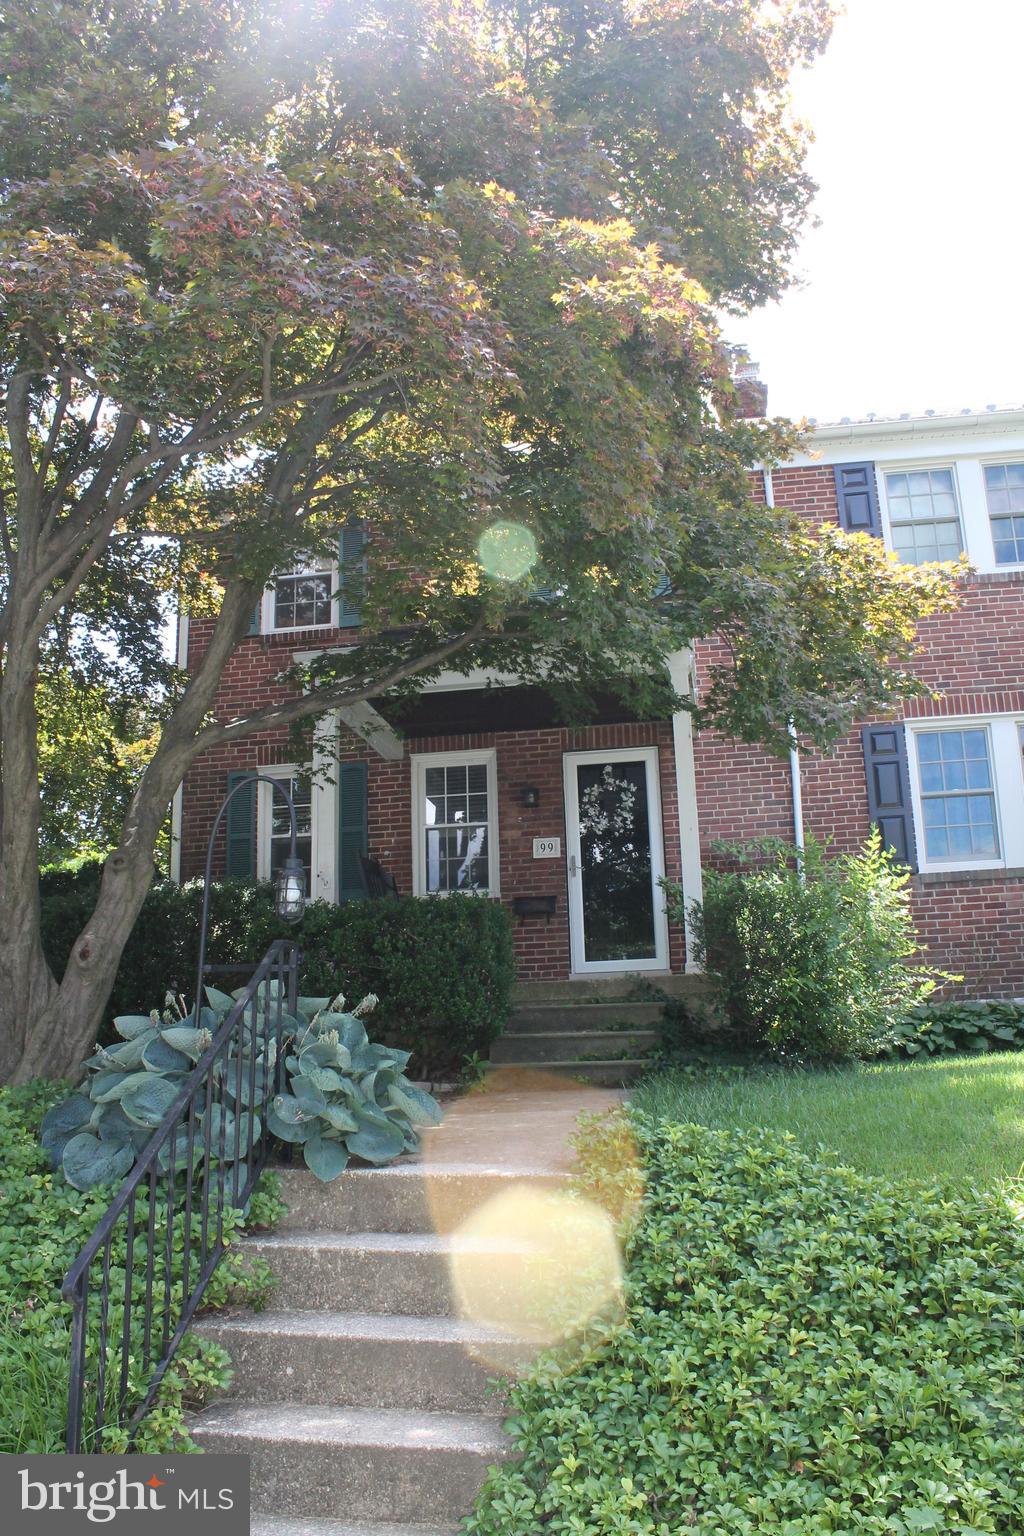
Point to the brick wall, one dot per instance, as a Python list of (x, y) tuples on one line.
[(523, 757), (969, 924)]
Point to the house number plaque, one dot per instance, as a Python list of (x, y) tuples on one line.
[(547, 847)]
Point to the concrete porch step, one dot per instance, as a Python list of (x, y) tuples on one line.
[(554, 1017), (628, 986), (315, 1460), (575, 1046), (278, 1525), (377, 1272), (598, 1074), (366, 1360), (404, 1197)]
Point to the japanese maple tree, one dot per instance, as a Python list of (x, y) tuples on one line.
[(451, 270)]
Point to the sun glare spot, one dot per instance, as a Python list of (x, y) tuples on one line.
[(507, 551)]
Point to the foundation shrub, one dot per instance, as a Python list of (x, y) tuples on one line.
[(947, 1029), (813, 956), (806, 1352), (442, 967)]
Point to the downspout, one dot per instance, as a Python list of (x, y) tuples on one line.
[(796, 786)]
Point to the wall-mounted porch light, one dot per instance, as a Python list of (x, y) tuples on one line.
[(529, 795)]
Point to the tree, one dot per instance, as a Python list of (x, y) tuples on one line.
[(267, 268)]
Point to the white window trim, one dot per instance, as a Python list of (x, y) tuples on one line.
[(972, 502), (1007, 787), (420, 763), (996, 460), (268, 606), (322, 851)]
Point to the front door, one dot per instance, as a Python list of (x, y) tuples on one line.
[(613, 841)]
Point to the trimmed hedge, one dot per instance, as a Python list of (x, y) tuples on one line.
[(442, 968), (806, 1352)]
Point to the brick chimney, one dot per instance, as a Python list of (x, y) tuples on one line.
[(751, 391)]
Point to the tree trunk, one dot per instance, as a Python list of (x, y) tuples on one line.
[(27, 987)]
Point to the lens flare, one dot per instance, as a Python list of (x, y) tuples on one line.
[(507, 551), (537, 1265)]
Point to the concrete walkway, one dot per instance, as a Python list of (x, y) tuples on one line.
[(515, 1121)]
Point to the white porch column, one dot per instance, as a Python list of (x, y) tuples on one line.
[(680, 671)]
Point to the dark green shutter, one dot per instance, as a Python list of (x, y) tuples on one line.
[(240, 839), (254, 622), (351, 574), (889, 805), (352, 829), (857, 497)]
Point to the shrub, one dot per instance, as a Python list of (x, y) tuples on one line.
[(806, 1352), (443, 967), (44, 1224), (812, 955), (943, 1029)]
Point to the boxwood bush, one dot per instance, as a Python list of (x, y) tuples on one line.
[(442, 967), (805, 1351)]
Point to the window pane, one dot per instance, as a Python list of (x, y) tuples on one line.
[(456, 830), (958, 807)]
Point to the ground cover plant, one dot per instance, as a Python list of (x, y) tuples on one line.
[(813, 953), (44, 1222), (944, 1029), (806, 1352), (957, 1118)]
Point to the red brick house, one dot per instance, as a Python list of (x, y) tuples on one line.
[(479, 787)]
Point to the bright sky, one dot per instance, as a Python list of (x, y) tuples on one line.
[(913, 285)]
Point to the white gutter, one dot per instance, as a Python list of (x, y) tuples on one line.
[(796, 785)]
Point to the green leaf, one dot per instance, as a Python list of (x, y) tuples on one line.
[(326, 1159), (158, 1056), (147, 1103), (61, 1123), (420, 1106), (187, 1040), (376, 1143), (129, 1025), (87, 1161)]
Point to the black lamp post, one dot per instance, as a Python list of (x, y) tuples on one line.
[(289, 885)]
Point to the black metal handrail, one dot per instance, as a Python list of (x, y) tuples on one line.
[(207, 1154)]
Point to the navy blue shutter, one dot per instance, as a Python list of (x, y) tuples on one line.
[(889, 803), (352, 829), (351, 574), (240, 845), (857, 496)]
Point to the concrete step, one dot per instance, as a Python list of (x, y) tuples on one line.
[(552, 1018), (599, 1074), (434, 1364), (378, 1272), (404, 1197), (357, 1463), (278, 1525), (629, 986), (577, 1046)]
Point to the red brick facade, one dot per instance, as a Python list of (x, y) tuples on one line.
[(969, 920)]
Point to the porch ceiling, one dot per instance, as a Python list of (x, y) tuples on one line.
[(465, 711)]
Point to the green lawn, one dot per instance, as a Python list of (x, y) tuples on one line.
[(959, 1119)]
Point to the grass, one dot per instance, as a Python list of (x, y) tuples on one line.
[(959, 1120)]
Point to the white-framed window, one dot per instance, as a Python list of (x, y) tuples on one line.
[(967, 781), (302, 598), (273, 824), (455, 823), (1004, 495), (924, 514)]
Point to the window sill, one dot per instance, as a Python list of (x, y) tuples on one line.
[(966, 875)]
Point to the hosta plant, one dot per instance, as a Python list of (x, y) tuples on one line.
[(348, 1097), (96, 1135)]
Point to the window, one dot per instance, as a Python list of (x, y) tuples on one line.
[(958, 804), (1004, 491), (923, 515), (454, 823), (302, 598), (277, 827)]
